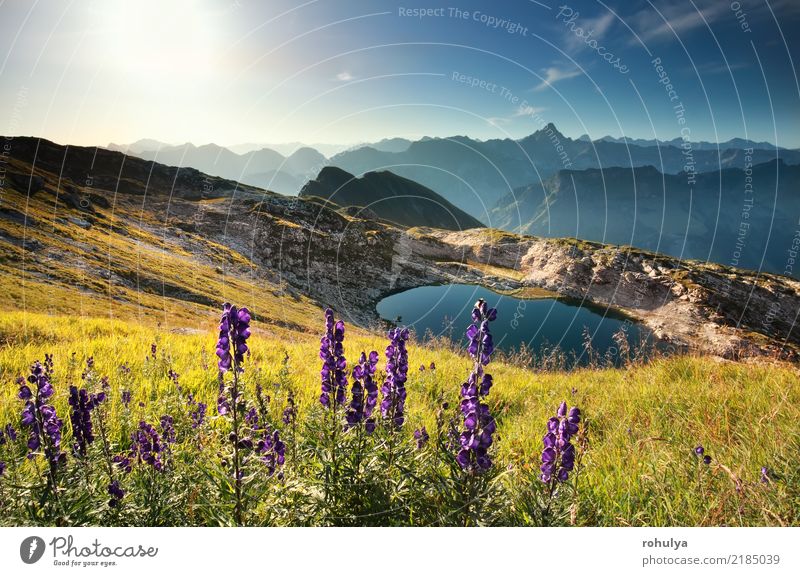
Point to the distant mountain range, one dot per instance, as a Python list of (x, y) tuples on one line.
[(714, 219), (389, 197), (264, 168), (471, 174), (702, 145), (474, 174)]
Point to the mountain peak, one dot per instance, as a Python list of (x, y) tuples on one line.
[(549, 131)]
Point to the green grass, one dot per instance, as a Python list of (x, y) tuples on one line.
[(644, 420)]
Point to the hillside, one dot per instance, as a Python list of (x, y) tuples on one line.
[(715, 218), (139, 238), (390, 197)]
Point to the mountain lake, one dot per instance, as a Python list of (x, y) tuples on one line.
[(540, 323)]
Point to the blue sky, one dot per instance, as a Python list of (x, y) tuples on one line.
[(233, 71)]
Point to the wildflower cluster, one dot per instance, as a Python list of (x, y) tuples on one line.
[(479, 425), (197, 411), (148, 447), (394, 386), (234, 330), (422, 437), (81, 404), (39, 416), (334, 364), (558, 456), (364, 392)]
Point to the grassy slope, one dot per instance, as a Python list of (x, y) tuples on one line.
[(130, 263), (113, 289), (644, 421)]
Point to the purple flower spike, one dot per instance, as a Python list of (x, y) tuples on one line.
[(81, 405), (422, 437), (148, 446), (45, 425), (334, 364), (558, 456), (234, 330), (364, 393), (394, 386), (479, 425)]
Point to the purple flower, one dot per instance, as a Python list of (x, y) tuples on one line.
[(123, 462), (479, 425), (421, 436), (2, 468), (45, 425), (331, 352), (394, 385), (223, 406), (765, 476), (558, 456), (290, 411), (481, 344), (147, 446), (116, 494), (271, 450), (81, 405), (126, 397), (8, 432), (364, 393), (432, 366), (234, 330), (153, 350), (700, 451), (198, 415), (168, 429)]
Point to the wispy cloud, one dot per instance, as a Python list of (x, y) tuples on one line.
[(675, 19), (553, 75), (528, 110), (345, 76), (497, 121), (594, 27)]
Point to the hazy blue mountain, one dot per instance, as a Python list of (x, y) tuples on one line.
[(701, 145), (263, 167), (391, 145), (137, 147), (390, 197), (474, 174), (710, 220), (304, 162)]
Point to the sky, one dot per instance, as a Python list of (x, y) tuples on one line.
[(91, 72)]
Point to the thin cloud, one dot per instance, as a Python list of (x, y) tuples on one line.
[(597, 26), (528, 111), (678, 19), (553, 75), (345, 76)]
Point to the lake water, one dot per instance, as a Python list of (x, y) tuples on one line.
[(539, 324)]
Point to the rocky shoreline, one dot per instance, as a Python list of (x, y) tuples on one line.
[(352, 264)]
